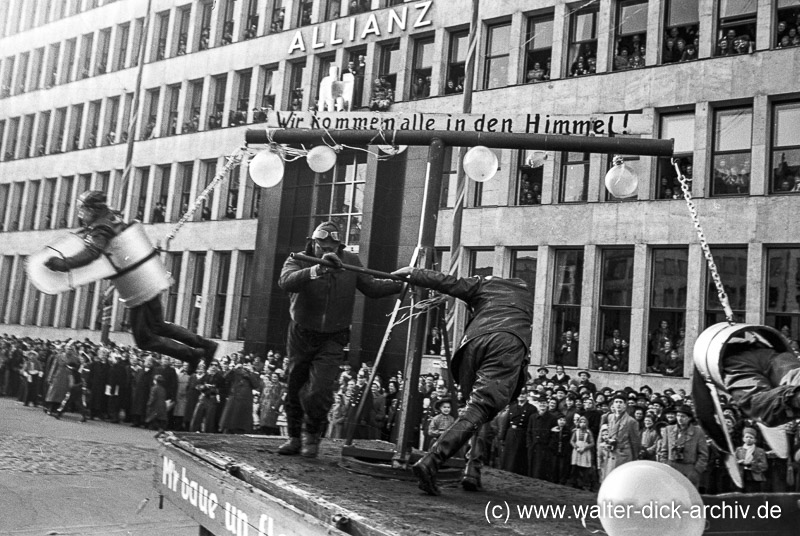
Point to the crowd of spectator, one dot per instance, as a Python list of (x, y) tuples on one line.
[(562, 429), (680, 44)]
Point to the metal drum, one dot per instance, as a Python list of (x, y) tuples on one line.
[(140, 274)]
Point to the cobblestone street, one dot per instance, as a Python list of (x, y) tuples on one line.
[(71, 478)]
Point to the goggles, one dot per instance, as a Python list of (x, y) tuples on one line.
[(322, 234)]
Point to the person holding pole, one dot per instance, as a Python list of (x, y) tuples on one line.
[(490, 364), (322, 297)]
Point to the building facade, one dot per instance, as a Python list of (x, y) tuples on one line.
[(720, 77)]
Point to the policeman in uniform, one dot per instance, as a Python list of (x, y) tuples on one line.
[(101, 226), (489, 365), (515, 453)]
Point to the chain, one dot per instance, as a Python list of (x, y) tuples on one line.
[(233, 160), (712, 266)]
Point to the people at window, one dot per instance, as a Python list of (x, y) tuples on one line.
[(382, 95), (536, 74), (676, 43), (420, 89)]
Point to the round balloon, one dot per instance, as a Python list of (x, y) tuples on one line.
[(480, 163), (621, 181), (392, 149), (647, 497), (266, 169), (321, 158)]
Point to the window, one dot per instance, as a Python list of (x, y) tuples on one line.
[(51, 70), (538, 46), (93, 125), (22, 73), (226, 35), (141, 185), (161, 189), (161, 29), (41, 137), (32, 205), (333, 9), (566, 318), (197, 292), (103, 44), (325, 62), (456, 62), (48, 203), (215, 117), (423, 67), (390, 65), (787, 27), (185, 172), (8, 75), (523, 266), (6, 263), (121, 54), (447, 197), (136, 53), (174, 262), (239, 115), (732, 268), (667, 305), (487, 194), (255, 200), (246, 260), (36, 69), (204, 35), (193, 103), (120, 193), (278, 15), (785, 147), (15, 304), (221, 297), (184, 17), (127, 117), (340, 195), (304, 12), (85, 321), (111, 122), (151, 97), (59, 128), (169, 125), (87, 43), (65, 210), (26, 141), (17, 189), (4, 199), (481, 262), (614, 329), (495, 69), (251, 22), (736, 27), (75, 128), (296, 70), (574, 177), (783, 290), (530, 172), (11, 142), (358, 6), (232, 198), (356, 64), (267, 101), (731, 157), (582, 49), (209, 171), (631, 34), (679, 127)]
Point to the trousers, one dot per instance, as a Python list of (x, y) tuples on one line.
[(153, 334)]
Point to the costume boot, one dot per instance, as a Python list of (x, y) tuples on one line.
[(471, 481), (291, 447), (310, 445), (446, 446)]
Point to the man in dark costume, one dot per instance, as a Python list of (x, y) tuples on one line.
[(322, 300), (101, 226), (515, 454), (489, 365)]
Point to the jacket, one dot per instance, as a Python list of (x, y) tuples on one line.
[(496, 305), (325, 303), (691, 445), (96, 238)]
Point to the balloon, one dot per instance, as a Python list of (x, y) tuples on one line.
[(480, 163), (392, 149), (321, 158), (266, 169), (621, 181), (647, 497), (536, 159)]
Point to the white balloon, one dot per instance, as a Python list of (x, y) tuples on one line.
[(480, 163), (392, 149), (536, 159), (621, 181), (321, 158), (649, 493), (266, 169)]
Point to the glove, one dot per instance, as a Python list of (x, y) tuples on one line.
[(57, 264), (331, 258)]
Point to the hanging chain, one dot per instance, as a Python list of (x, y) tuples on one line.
[(712, 266), (233, 160)]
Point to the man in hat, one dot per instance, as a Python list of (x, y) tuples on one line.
[(623, 433), (541, 379), (684, 446), (322, 300), (583, 381), (515, 453), (151, 332), (490, 364)]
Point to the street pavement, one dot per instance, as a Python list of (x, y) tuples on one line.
[(64, 477)]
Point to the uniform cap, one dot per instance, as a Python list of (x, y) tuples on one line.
[(93, 199)]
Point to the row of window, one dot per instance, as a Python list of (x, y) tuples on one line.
[(219, 312), (667, 305), (21, 15), (48, 203), (729, 173)]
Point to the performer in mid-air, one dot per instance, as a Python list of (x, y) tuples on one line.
[(102, 226), (489, 365)]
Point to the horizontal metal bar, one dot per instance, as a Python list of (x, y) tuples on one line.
[(498, 140)]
